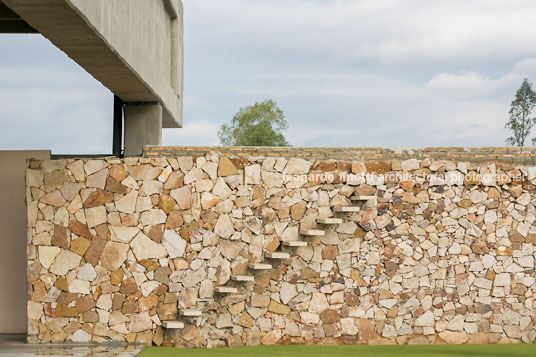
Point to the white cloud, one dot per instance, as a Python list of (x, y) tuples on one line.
[(525, 68), (457, 81), (193, 133), (474, 83), (388, 31)]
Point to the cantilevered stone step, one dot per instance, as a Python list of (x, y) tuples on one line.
[(259, 266), (242, 278), (346, 209), (363, 198), (205, 300), (312, 232), (294, 243), (225, 290), (190, 313), (329, 221), (277, 255), (173, 324)]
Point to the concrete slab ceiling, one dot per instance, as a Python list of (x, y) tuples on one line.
[(122, 44)]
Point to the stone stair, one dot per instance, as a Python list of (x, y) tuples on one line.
[(190, 313), (327, 221), (364, 200), (371, 201), (260, 266), (312, 232), (173, 325), (346, 209), (277, 255), (225, 290), (296, 243), (177, 324)]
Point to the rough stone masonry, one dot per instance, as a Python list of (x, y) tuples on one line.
[(117, 249)]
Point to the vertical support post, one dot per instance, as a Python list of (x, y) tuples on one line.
[(143, 126), (117, 147)]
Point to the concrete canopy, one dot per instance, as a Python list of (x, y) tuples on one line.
[(133, 47)]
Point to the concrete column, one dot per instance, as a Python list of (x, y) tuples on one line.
[(143, 126), (13, 239)]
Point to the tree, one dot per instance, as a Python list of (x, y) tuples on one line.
[(261, 124), (520, 122)]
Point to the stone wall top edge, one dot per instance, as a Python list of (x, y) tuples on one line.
[(519, 161), (520, 156), (392, 148), (476, 155)]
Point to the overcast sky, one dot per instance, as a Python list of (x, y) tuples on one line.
[(345, 72)]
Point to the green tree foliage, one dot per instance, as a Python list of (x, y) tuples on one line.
[(520, 122), (262, 124)]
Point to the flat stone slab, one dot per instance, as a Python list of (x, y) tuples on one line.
[(329, 221), (225, 290), (346, 209), (191, 313), (205, 300), (242, 278), (277, 255), (312, 232), (173, 324), (260, 266), (363, 198), (295, 243)]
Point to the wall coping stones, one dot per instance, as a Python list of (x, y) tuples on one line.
[(522, 156)]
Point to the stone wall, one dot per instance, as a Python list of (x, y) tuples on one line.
[(118, 247)]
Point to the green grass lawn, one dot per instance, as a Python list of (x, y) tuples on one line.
[(359, 351)]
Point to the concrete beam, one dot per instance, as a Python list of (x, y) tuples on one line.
[(143, 126), (127, 45)]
